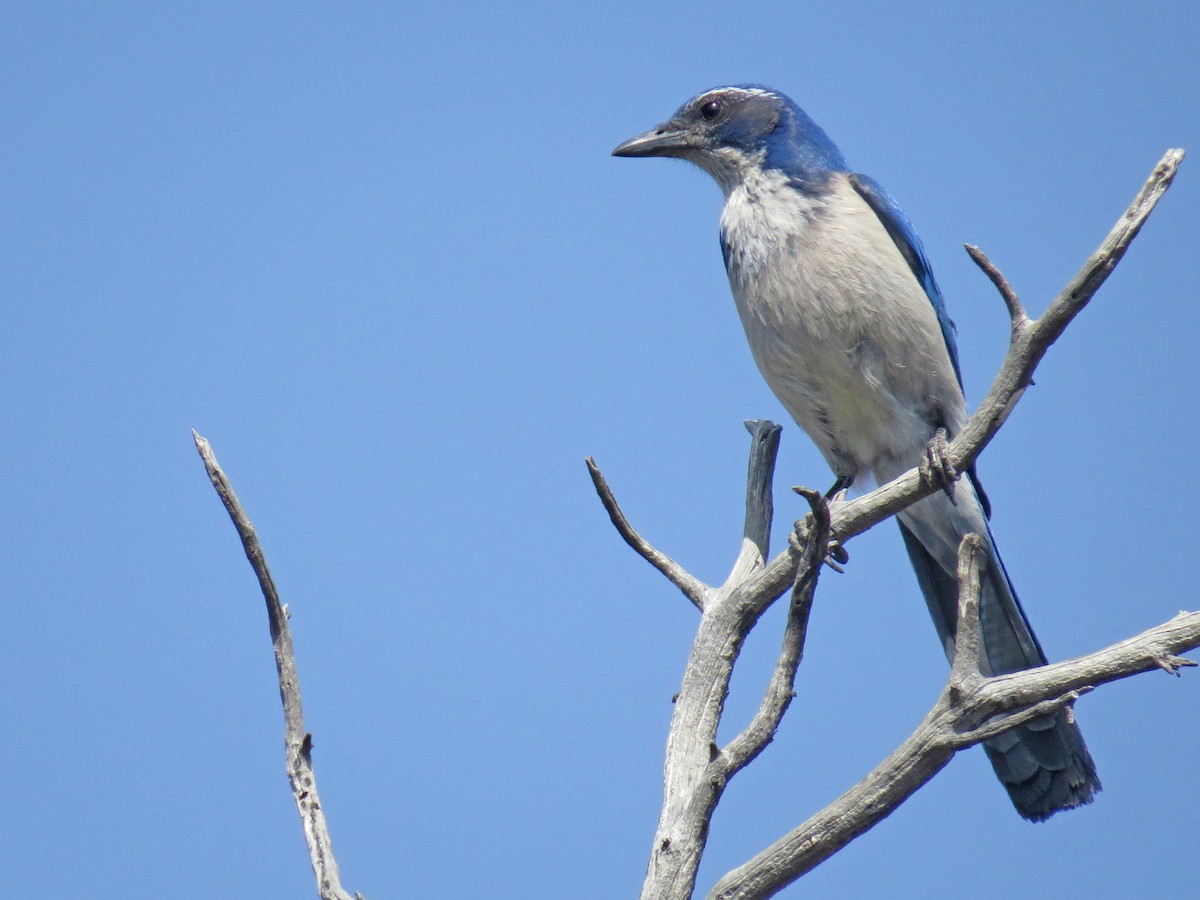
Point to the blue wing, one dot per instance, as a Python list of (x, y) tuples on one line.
[(905, 237)]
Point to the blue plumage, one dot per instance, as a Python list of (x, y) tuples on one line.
[(849, 328), (905, 237)]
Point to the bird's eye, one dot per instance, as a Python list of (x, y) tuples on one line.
[(710, 110)]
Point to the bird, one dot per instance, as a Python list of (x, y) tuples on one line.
[(849, 329)]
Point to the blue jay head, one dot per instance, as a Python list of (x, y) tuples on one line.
[(730, 130)]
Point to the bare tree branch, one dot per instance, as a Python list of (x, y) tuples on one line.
[(1157, 648), (964, 669), (696, 771), (997, 727), (297, 741), (809, 541), (693, 588), (1016, 312), (963, 716), (764, 448)]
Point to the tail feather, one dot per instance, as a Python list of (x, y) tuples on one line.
[(1044, 764)]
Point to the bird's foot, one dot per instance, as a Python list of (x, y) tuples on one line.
[(936, 468), (836, 555)]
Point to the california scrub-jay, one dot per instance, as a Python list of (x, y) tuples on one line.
[(849, 329)]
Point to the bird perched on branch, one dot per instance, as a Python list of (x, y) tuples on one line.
[(849, 329)]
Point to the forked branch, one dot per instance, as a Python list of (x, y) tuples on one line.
[(965, 715)]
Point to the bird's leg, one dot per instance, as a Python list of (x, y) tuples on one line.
[(840, 486), (837, 555), (936, 468)]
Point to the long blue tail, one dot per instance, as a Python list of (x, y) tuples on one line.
[(1044, 765)]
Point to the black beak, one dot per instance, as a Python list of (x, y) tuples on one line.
[(665, 140)]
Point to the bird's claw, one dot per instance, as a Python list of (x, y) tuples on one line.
[(836, 555), (936, 469)]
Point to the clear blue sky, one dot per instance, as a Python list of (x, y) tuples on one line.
[(380, 256)]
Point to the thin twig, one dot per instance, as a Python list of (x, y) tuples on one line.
[(693, 588), (811, 547), (297, 741), (993, 728), (1016, 312)]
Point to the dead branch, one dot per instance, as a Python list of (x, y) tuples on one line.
[(297, 741), (696, 768), (693, 588), (809, 540), (963, 716)]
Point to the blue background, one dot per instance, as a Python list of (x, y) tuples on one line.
[(380, 256)]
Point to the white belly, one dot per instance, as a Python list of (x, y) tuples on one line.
[(840, 328)]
